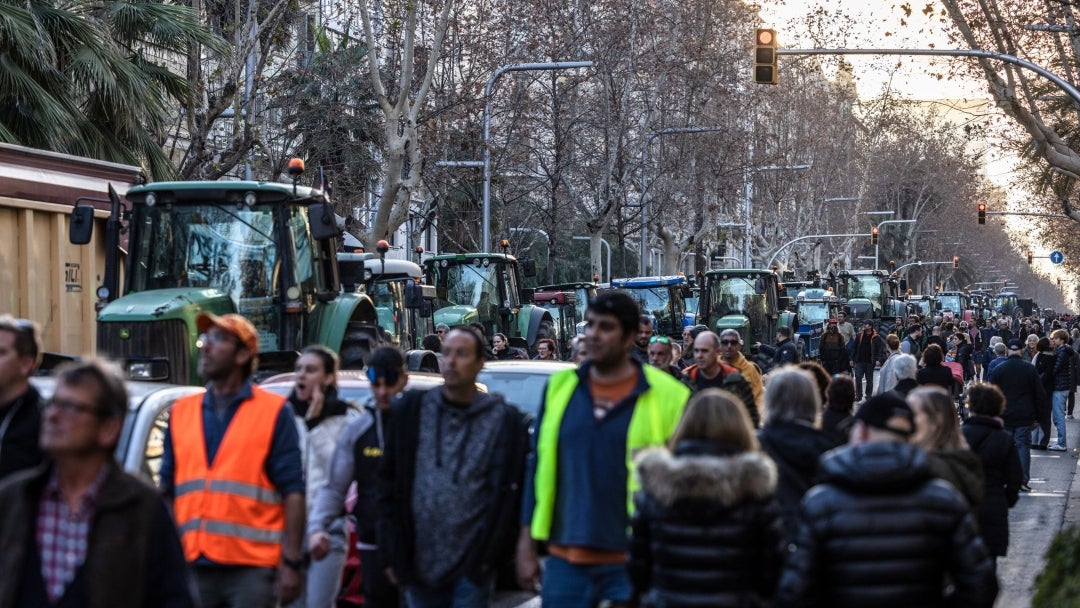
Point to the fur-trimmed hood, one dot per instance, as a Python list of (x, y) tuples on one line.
[(725, 480)]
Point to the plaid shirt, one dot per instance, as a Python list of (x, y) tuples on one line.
[(62, 534)]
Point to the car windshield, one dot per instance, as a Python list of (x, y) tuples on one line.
[(523, 390)]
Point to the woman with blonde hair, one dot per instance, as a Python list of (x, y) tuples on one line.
[(937, 430), (706, 528)]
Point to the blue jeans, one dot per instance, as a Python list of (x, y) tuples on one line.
[(1061, 398), (1022, 439), (569, 585), (861, 370), (462, 593), (236, 586)]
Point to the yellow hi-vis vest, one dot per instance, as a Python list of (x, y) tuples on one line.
[(656, 414)]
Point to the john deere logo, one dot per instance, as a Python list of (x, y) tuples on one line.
[(125, 333)]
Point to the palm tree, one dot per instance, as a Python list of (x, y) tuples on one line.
[(95, 79)]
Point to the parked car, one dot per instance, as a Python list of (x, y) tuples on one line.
[(521, 383)]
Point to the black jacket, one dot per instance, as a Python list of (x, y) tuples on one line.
[(881, 531), (1002, 475), (20, 425), (795, 448), (395, 529), (730, 379), (784, 353), (1025, 397), (133, 556), (938, 375), (834, 354), (875, 349), (706, 530)]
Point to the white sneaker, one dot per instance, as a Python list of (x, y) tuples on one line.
[(1057, 447)]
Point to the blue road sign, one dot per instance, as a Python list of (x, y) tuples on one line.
[(1057, 257)]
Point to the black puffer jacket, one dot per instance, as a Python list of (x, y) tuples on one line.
[(795, 448), (706, 530), (881, 531), (1002, 474)]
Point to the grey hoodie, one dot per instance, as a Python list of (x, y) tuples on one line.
[(451, 490)]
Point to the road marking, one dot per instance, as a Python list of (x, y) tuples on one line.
[(1045, 494), (1046, 455)]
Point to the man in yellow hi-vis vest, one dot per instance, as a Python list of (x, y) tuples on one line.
[(579, 484), (232, 468)]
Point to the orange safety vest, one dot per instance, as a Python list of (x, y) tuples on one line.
[(229, 511)]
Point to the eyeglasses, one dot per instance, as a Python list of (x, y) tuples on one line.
[(69, 407), (729, 342), (440, 331), (217, 337), (660, 339)]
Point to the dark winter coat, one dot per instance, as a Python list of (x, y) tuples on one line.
[(938, 375), (1002, 474), (784, 353), (795, 448), (1025, 397), (729, 379), (1063, 369), (706, 530), (880, 530), (963, 357), (20, 425), (875, 349), (833, 353), (836, 424), (961, 468), (133, 554)]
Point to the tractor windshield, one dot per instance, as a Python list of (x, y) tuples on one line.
[(220, 247), (737, 296), (473, 285), (865, 286), (950, 302), (813, 312)]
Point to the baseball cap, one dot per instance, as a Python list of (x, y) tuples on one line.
[(832, 319), (233, 324), (1015, 344), (887, 412)]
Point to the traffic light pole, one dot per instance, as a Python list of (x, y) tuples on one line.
[(1064, 85)]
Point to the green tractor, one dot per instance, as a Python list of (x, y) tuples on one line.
[(745, 299), (264, 250), (486, 288)]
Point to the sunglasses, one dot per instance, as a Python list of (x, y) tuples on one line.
[(729, 342), (660, 339), (389, 376)]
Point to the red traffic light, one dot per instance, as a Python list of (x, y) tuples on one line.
[(766, 37), (955, 261), (765, 67), (1030, 256), (982, 213)]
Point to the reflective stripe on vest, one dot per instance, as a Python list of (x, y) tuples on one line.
[(228, 511), (656, 414)]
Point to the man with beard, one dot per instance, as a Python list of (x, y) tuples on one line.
[(641, 344), (232, 467)]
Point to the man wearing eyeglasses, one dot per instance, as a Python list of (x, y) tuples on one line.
[(79, 531), (20, 414), (356, 458), (441, 330), (232, 467)]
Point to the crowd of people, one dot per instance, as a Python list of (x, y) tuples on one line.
[(656, 473)]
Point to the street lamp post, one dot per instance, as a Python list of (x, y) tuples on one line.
[(520, 67), (809, 236), (877, 246)]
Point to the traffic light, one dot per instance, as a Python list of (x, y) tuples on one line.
[(765, 56), (955, 261), (982, 213), (873, 235), (1029, 258)]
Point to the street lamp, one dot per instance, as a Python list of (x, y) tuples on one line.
[(520, 67), (877, 246)]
